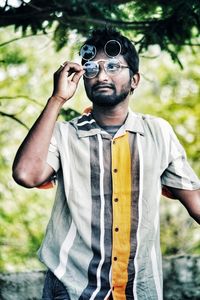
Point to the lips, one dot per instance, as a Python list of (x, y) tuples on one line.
[(102, 87)]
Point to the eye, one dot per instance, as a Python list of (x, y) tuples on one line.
[(113, 66)]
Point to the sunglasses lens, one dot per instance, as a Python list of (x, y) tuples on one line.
[(88, 52), (91, 69), (112, 66), (112, 48)]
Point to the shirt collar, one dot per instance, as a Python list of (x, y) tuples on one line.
[(86, 125), (134, 123)]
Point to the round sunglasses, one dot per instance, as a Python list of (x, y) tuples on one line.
[(112, 49)]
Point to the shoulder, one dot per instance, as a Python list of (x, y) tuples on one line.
[(154, 120), (153, 123)]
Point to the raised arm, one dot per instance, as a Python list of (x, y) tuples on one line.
[(30, 168)]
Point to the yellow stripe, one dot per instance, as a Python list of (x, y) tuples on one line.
[(121, 178)]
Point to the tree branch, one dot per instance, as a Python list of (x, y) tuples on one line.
[(131, 24), (49, 14), (21, 96), (117, 2), (22, 37), (13, 117)]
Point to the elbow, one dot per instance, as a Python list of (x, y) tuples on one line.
[(24, 179)]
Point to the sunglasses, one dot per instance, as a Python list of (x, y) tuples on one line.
[(111, 66), (112, 49)]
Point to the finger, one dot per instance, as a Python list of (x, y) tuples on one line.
[(74, 67), (69, 68), (77, 76)]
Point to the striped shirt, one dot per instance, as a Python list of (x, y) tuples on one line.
[(103, 234)]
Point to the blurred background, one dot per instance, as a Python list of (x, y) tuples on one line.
[(29, 55)]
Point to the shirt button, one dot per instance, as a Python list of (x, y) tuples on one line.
[(115, 258), (116, 229), (116, 199), (114, 142), (115, 170)]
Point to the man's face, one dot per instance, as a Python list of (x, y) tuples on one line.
[(105, 89)]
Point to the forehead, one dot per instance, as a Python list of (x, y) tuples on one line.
[(101, 55)]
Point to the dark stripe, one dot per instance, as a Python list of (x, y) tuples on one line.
[(95, 227), (87, 126), (135, 175)]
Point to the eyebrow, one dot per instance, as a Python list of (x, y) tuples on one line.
[(104, 60)]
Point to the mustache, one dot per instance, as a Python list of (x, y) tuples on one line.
[(103, 85)]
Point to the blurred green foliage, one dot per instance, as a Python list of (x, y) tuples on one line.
[(26, 72), (169, 24)]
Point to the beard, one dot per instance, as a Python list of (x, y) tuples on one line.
[(107, 100)]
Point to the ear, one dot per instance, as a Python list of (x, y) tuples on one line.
[(134, 81)]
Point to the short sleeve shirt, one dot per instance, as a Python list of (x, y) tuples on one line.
[(103, 234)]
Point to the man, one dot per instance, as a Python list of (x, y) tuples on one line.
[(102, 241)]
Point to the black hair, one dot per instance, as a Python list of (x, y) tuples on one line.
[(99, 37)]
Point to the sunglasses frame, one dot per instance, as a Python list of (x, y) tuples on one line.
[(106, 62)]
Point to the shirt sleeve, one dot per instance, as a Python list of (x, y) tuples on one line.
[(179, 173), (53, 157)]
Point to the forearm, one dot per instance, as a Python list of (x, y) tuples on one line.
[(194, 206), (30, 161), (190, 199)]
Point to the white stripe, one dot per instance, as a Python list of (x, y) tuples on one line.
[(156, 273), (110, 276), (166, 138), (101, 219), (69, 239), (139, 215), (153, 255), (64, 251), (85, 122), (66, 161)]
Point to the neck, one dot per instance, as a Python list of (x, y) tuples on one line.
[(110, 115)]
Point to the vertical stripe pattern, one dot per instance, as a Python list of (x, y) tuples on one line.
[(139, 217), (67, 244), (98, 271), (135, 171), (102, 201), (103, 235), (121, 170)]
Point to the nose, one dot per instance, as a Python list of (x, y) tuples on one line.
[(102, 75)]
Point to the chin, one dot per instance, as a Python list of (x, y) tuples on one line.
[(108, 100)]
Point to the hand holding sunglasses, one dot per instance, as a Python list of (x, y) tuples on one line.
[(112, 66)]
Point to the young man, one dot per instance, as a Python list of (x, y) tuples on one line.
[(102, 241)]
